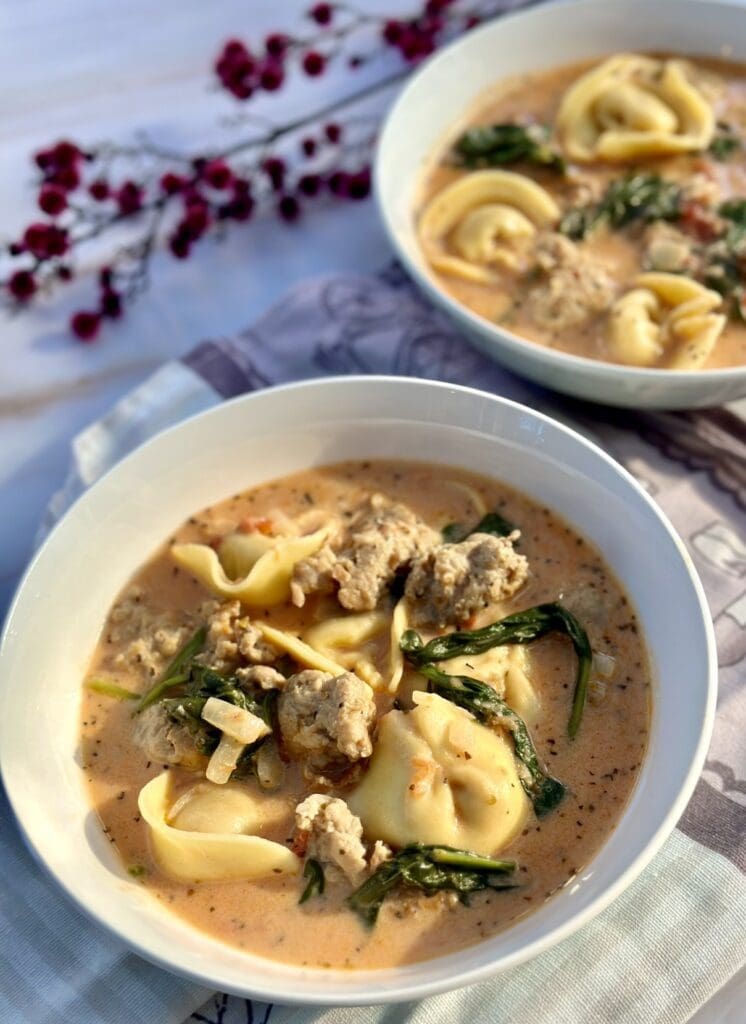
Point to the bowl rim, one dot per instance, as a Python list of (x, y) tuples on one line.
[(515, 343), (460, 976)]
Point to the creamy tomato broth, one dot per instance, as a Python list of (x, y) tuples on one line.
[(626, 183), (468, 789)]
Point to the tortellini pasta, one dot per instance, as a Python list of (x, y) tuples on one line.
[(343, 638), (665, 318), (239, 552), (487, 217), (206, 834), (399, 624), (632, 106), (252, 568), (504, 668), (299, 650), (438, 776), (471, 494)]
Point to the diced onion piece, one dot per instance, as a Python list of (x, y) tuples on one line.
[(269, 768), (223, 762), (597, 691), (603, 665), (235, 722)]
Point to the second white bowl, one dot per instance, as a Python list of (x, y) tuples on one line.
[(447, 86)]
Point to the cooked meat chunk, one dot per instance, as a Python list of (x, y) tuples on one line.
[(164, 740), (455, 580), (313, 575), (253, 647), (263, 676), (231, 638), (574, 288), (147, 637), (380, 540), (331, 835), (221, 649), (326, 719)]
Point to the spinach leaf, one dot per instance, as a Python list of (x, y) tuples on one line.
[(495, 145), (108, 689), (483, 702), (521, 628), (454, 533), (204, 682), (176, 673), (636, 197), (725, 144), (431, 869), (186, 686), (314, 872), (724, 260), (492, 523), (734, 210)]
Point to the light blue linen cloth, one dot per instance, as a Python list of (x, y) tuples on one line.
[(672, 939)]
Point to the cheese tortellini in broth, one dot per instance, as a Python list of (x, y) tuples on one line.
[(251, 568), (505, 669), (345, 638), (484, 220), (632, 106), (206, 834), (665, 315), (438, 776)]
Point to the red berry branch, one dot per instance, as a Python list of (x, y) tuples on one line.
[(178, 199)]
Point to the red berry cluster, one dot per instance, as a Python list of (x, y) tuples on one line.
[(85, 324), (85, 193), (416, 38), (44, 243), (197, 196), (244, 72), (60, 165)]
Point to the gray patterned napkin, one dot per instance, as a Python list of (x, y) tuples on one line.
[(675, 936)]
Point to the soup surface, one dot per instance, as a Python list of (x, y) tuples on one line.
[(440, 776), (600, 209)]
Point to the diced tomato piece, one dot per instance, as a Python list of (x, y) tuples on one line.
[(300, 842), (256, 524), (700, 221)]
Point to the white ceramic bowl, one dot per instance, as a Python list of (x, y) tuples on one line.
[(63, 600), (431, 109)]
